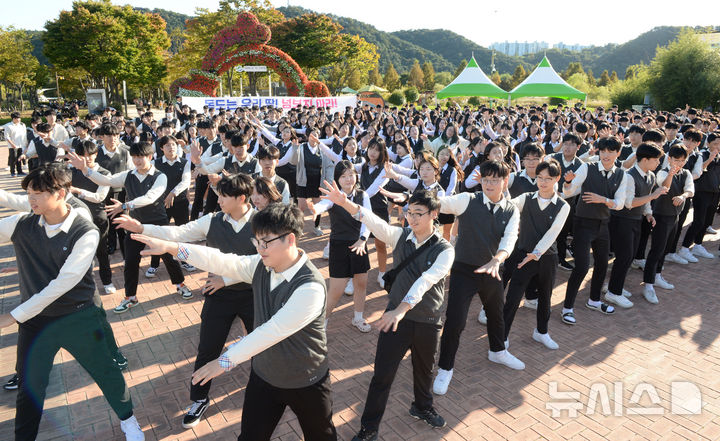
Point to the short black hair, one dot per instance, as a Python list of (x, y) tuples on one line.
[(109, 129), (15, 115), (609, 143), (50, 177), (581, 127), (239, 184), (81, 125), (571, 137), (142, 148), (239, 139), (341, 167), (163, 141), (552, 167), (693, 134), (43, 128), (653, 135), (425, 198), (494, 168), (269, 152), (648, 150), (678, 151), (712, 137), (49, 112), (637, 129), (278, 219), (86, 148), (532, 149)]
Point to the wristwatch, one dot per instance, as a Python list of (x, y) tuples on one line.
[(363, 238), (124, 206)]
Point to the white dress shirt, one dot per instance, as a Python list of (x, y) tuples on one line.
[(575, 186)]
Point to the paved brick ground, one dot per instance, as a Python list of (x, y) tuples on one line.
[(674, 341)]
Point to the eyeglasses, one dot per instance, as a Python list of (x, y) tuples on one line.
[(490, 181), (415, 215), (262, 243)]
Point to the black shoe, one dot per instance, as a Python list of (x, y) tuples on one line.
[(21, 174), (121, 361), (365, 435), (429, 416), (194, 413), (564, 264), (12, 383), (111, 249)]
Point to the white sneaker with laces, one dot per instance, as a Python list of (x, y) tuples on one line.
[(506, 358), (638, 264), (442, 381), (626, 293), (687, 255), (544, 339), (482, 317), (649, 294), (531, 304), (700, 251), (675, 258), (662, 283), (326, 251), (380, 280), (109, 289), (619, 300), (349, 288), (711, 230), (151, 272), (131, 429)]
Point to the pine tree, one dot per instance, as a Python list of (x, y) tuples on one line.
[(375, 78), (429, 75), (416, 79), (604, 78), (392, 79)]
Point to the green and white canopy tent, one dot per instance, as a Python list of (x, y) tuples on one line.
[(472, 81), (545, 82)]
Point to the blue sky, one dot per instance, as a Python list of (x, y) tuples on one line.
[(570, 22)]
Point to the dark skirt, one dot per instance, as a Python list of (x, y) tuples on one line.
[(344, 263), (311, 189)]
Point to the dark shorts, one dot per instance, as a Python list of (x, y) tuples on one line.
[(344, 263), (311, 189)]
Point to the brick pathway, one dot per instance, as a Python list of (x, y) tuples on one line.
[(674, 341)]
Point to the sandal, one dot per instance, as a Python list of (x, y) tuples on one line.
[(362, 325), (569, 318), (604, 308)]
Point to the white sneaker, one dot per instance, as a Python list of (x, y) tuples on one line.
[(380, 279), (482, 317), (649, 294), (326, 251), (711, 230), (507, 343), (700, 251), (506, 358), (349, 288), (318, 231), (662, 283), (544, 339), (131, 429), (675, 258), (687, 255), (531, 304), (109, 289), (619, 300), (625, 292), (638, 264), (442, 381), (151, 272), (362, 325)]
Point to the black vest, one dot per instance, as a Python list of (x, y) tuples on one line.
[(46, 153), (521, 184), (430, 308), (247, 167), (342, 225), (642, 189), (115, 164), (595, 182), (312, 161), (149, 214), (287, 168), (81, 181), (664, 205), (40, 259), (174, 175), (480, 230), (444, 180), (299, 360), (378, 202), (534, 223), (222, 236), (709, 181)]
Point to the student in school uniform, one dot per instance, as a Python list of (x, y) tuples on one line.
[(705, 200), (239, 162), (413, 317), (229, 232), (680, 188), (625, 224), (542, 217), (175, 199), (264, 193), (311, 168), (603, 186), (145, 186), (450, 174), (487, 232), (54, 247), (428, 174), (207, 141), (43, 147), (16, 135), (288, 345), (267, 158)]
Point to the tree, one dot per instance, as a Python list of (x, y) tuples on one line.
[(519, 75), (495, 77), (354, 68), (375, 78), (572, 69), (111, 43), (17, 64), (604, 78), (416, 77), (429, 75), (392, 79), (411, 94), (443, 78), (591, 78), (397, 98), (506, 82), (460, 68), (614, 77), (686, 71)]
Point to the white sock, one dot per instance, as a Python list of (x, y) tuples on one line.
[(594, 302), (358, 315), (566, 310), (381, 273), (180, 285), (685, 248), (441, 370)]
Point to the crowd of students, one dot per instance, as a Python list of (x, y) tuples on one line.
[(498, 199)]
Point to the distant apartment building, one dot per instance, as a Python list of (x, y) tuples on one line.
[(518, 48)]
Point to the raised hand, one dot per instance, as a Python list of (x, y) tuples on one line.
[(113, 209), (128, 223), (77, 161), (195, 152), (155, 247)]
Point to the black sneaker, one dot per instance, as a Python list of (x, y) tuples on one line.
[(429, 416), (121, 361), (12, 383), (365, 435), (194, 413), (567, 266)]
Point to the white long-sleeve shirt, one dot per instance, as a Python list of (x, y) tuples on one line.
[(96, 197), (303, 306), (575, 186), (31, 151), (20, 203), (630, 193), (391, 235), (128, 165), (325, 204), (72, 271), (118, 180), (412, 183), (552, 233), (378, 183)]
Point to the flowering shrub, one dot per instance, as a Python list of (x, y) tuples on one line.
[(251, 36)]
